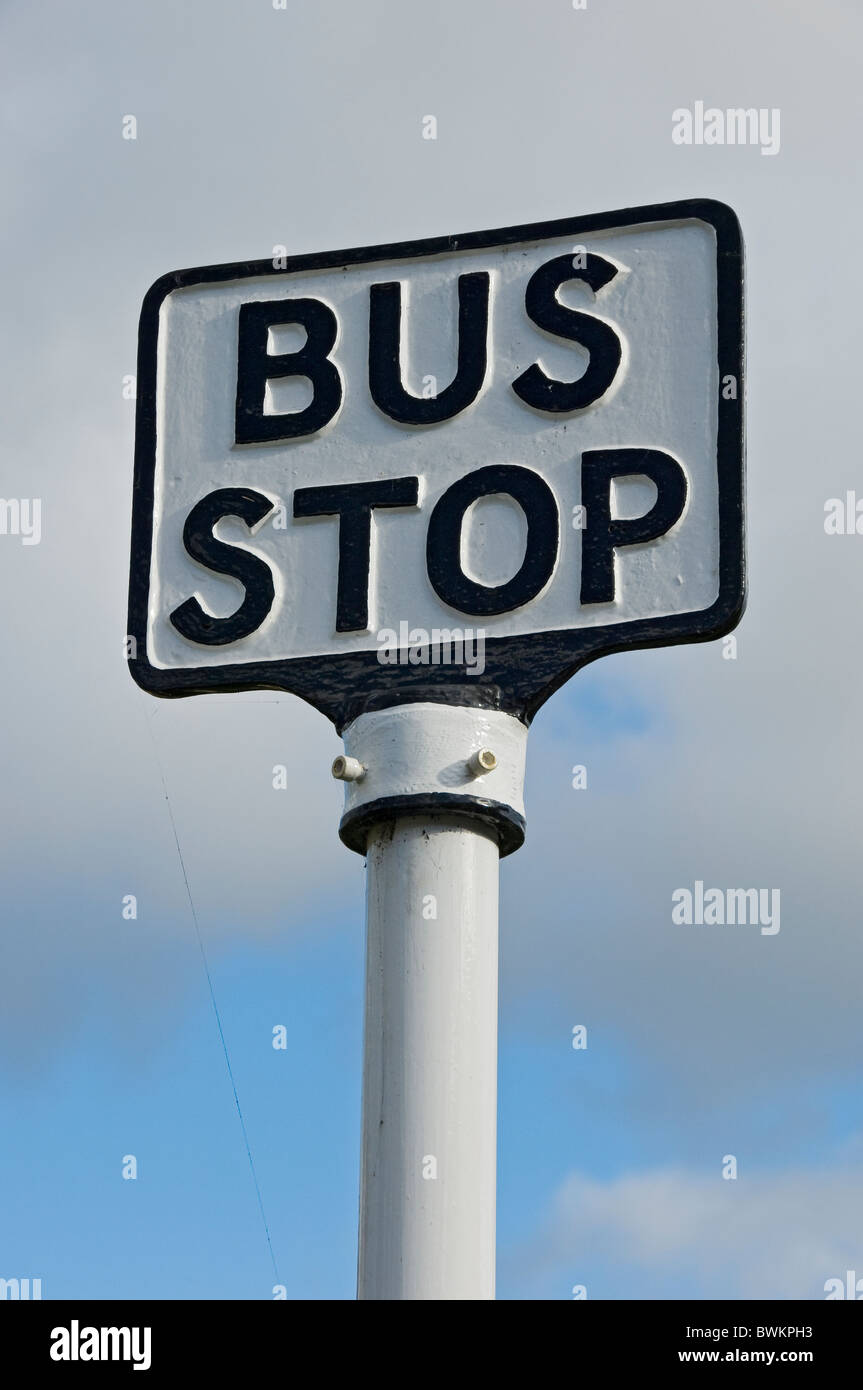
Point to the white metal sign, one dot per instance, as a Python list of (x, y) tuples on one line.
[(449, 470)]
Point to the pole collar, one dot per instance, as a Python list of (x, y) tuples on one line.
[(433, 759)]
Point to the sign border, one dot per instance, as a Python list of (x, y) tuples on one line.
[(521, 672)]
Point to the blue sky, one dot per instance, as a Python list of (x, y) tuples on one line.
[(257, 128)]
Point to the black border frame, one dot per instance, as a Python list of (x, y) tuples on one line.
[(520, 672)]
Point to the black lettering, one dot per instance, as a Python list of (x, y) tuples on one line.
[(545, 310), (255, 367), (603, 536), (352, 503), (443, 546), (254, 574), (385, 378)]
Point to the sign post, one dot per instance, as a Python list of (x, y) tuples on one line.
[(428, 1168), (438, 801), (421, 485)]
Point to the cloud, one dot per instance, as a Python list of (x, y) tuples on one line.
[(764, 1235)]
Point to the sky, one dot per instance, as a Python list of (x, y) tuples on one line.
[(302, 127)]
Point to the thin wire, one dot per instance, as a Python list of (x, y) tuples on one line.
[(215, 1007)]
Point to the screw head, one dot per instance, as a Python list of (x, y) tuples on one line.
[(347, 769), (484, 760)]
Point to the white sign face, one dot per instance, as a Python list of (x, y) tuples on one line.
[(455, 469)]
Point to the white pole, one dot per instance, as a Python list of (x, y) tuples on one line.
[(428, 1170), (433, 797)]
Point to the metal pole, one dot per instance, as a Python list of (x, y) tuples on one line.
[(433, 798), (428, 1174)]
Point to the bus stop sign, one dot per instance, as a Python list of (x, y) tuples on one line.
[(453, 470)]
